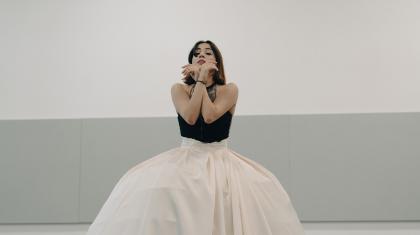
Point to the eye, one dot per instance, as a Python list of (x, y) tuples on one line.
[(197, 53)]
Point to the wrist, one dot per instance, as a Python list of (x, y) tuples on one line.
[(204, 71)]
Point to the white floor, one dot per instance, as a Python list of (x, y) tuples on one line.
[(333, 228)]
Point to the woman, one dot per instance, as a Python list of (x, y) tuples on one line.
[(201, 187)]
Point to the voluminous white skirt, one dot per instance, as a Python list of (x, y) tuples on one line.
[(197, 189)]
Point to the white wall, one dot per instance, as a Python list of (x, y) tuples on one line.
[(109, 58)]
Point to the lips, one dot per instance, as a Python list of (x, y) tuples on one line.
[(201, 62)]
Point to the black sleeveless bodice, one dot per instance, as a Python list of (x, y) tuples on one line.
[(215, 131)]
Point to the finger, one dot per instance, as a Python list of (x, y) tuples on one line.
[(215, 67)]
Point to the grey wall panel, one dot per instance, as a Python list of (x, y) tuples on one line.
[(110, 147), (335, 167), (356, 167), (264, 139), (39, 171)]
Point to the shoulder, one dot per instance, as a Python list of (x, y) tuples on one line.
[(231, 88), (179, 87), (176, 85)]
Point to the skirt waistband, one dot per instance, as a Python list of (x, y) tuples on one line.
[(185, 141)]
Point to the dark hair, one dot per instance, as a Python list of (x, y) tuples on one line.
[(218, 76)]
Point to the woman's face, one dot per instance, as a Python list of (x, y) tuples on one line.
[(203, 53)]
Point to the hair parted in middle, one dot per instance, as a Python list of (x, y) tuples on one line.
[(219, 76)]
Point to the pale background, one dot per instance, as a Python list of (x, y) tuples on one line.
[(82, 59), (343, 60)]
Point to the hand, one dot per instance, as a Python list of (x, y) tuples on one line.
[(192, 70), (209, 66)]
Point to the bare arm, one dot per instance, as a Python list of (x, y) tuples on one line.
[(188, 108), (223, 103)]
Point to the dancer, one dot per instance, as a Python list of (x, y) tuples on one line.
[(201, 187)]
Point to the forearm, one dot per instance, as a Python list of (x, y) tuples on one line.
[(194, 105), (207, 107)]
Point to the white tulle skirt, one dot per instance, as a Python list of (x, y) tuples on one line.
[(197, 189)]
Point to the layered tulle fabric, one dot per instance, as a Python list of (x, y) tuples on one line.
[(197, 189)]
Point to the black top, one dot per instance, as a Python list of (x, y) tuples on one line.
[(215, 131)]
